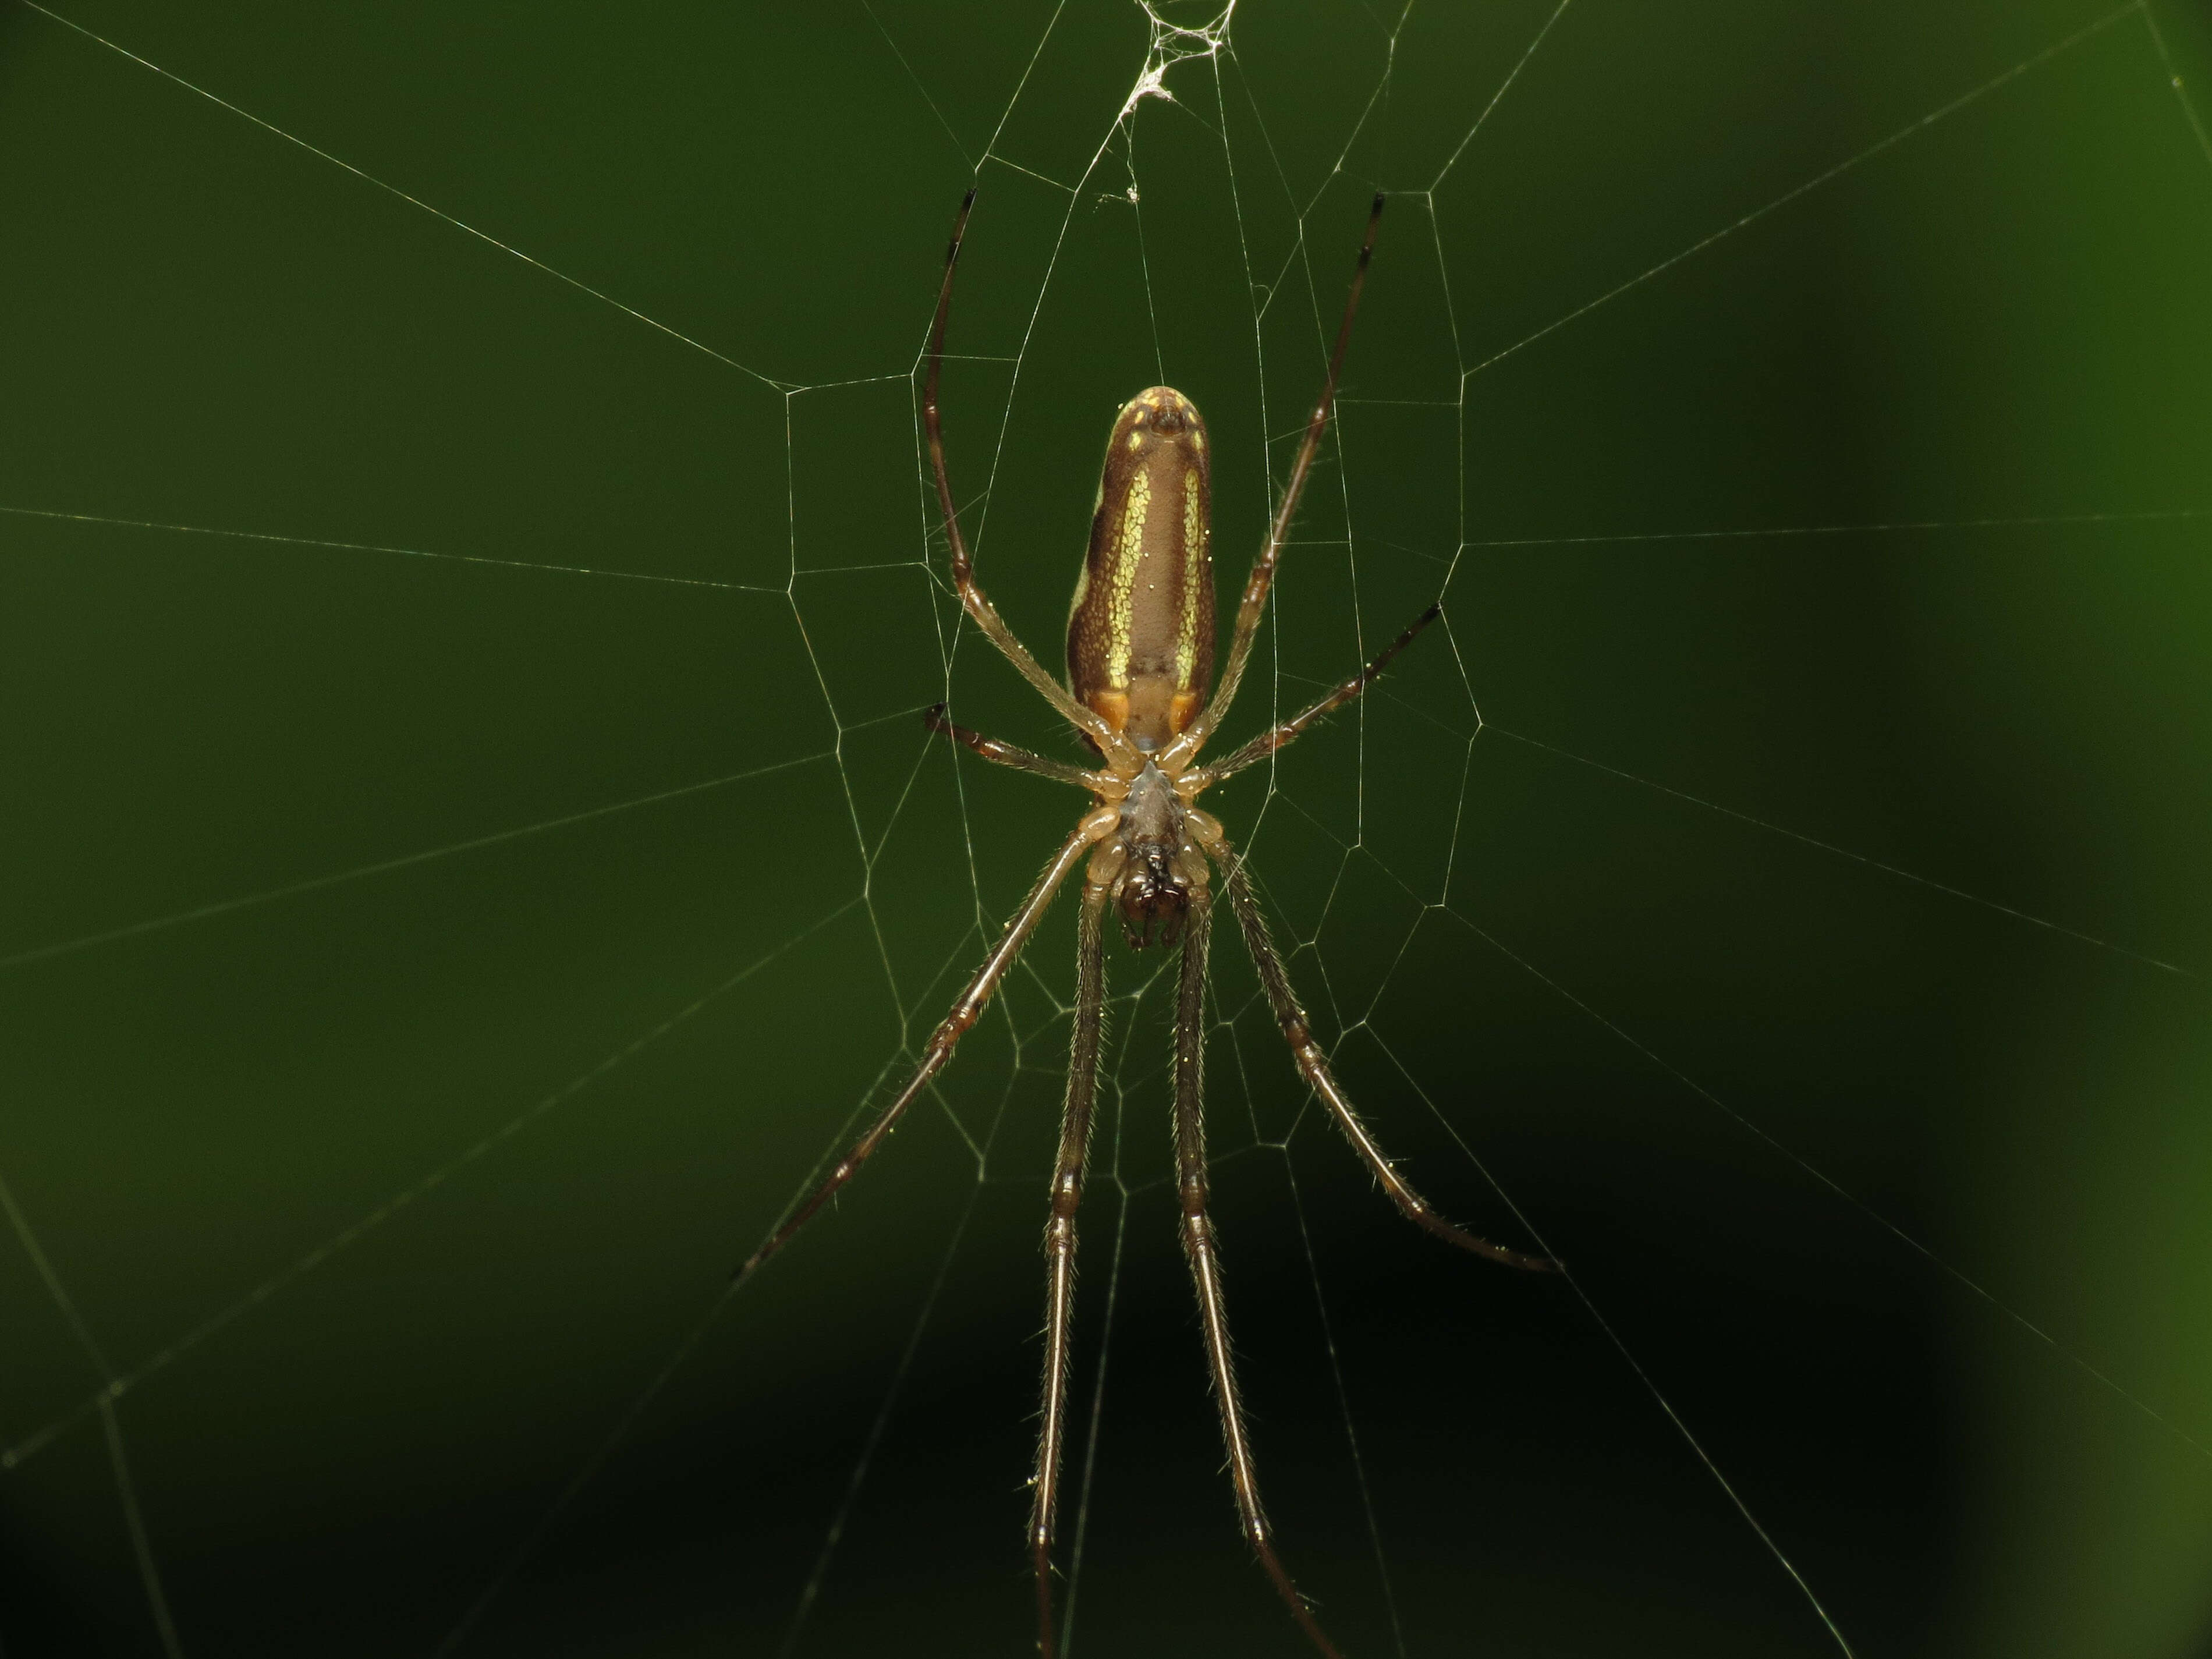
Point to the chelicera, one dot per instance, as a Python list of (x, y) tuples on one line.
[(1141, 638)]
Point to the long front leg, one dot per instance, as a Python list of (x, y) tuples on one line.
[(972, 598), (1313, 1065), (1199, 1248), (942, 1041), (1059, 1239), (1253, 605)]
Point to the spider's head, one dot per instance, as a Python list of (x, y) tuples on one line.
[(1153, 888), (1152, 897)]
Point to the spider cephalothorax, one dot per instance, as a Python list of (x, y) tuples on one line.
[(1140, 664), (1150, 864)]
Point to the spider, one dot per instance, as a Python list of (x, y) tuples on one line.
[(1139, 658)]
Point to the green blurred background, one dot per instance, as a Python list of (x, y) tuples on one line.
[(403, 1200)]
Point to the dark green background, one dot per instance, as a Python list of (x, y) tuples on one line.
[(2002, 315)]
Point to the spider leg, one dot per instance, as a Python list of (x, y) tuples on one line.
[(1263, 567), (972, 598), (1314, 1066), (1199, 1249), (1273, 738), (1060, 1238), (966, 1011), (1007, 754)]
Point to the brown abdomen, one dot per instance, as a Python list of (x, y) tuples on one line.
[(1141, 632)]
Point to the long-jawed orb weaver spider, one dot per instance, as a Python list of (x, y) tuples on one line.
[(1140, 656)]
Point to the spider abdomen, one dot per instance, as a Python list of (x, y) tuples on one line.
[(1140, 631)]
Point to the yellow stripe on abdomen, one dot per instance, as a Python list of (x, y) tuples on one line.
[(1193, 561), (1129, 558)]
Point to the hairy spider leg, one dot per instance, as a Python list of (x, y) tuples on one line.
[(1313, 1064), (972, 598), (1008, 754), (1277, 736), (1060, 1235), (1095, 827), (1201, 1251), (1254, 601)]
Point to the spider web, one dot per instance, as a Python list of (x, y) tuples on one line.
[(473, 588)]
